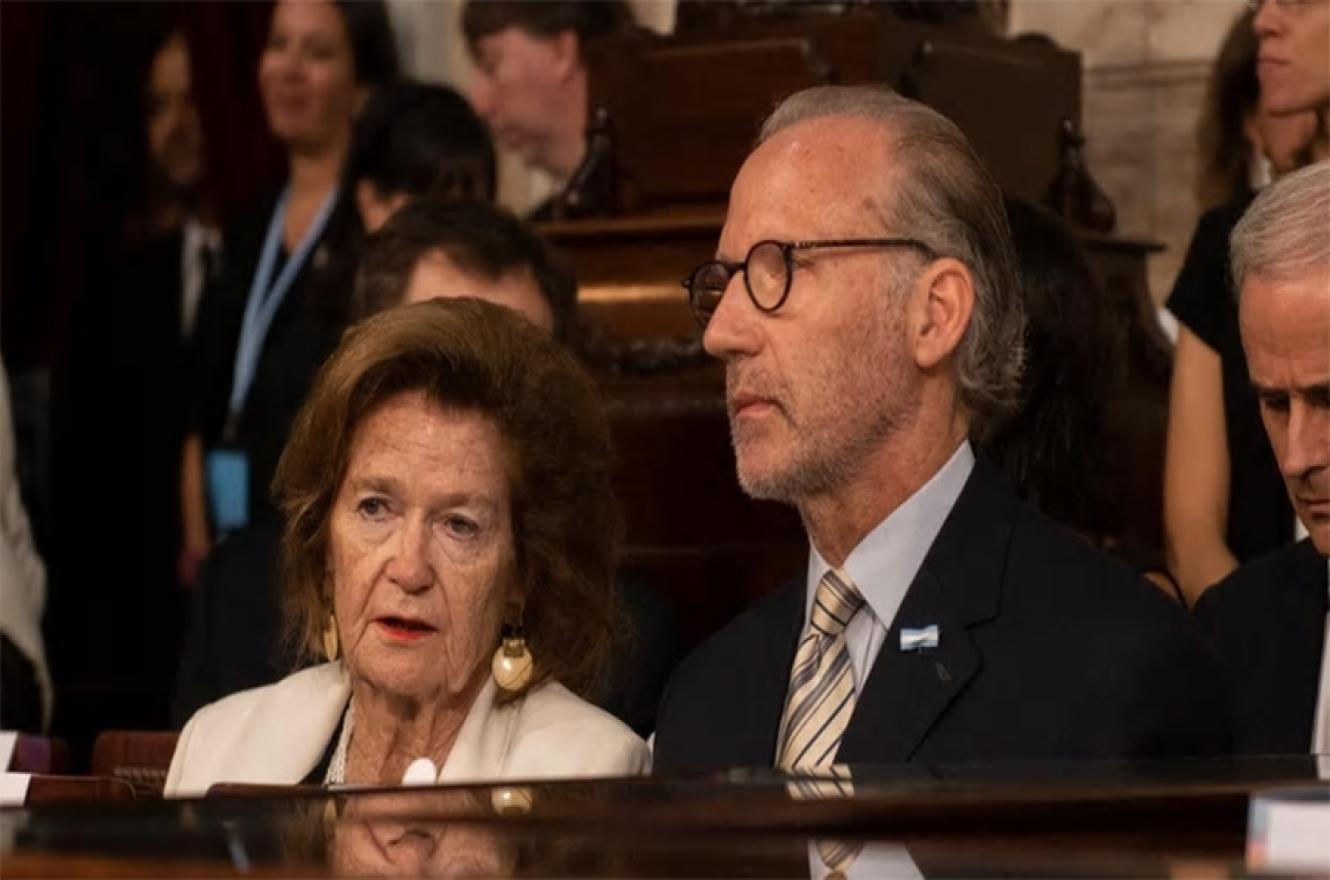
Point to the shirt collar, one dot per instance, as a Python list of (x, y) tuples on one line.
[(884, 563), (198, 235)]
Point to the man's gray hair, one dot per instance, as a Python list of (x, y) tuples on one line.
[(942, 194), (1285, 233)]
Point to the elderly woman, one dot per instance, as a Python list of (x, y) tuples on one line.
[(449, 551)]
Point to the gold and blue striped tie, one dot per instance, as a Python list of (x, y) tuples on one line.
[(821, 695)]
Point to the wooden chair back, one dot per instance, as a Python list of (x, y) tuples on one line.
[(138, 757), (44, 790), (39, 754)]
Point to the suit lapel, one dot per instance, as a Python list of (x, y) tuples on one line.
[(756, 715), (906, 692), (287, 732), (958, 586), (1296, 629)]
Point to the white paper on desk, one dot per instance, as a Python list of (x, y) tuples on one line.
[(13, 789), (1287, 830), (8, 741)]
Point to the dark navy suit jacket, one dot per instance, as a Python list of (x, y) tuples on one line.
[(1048, 649), (1267, 623)]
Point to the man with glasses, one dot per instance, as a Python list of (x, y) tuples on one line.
[(864, 302), (1270, 619)]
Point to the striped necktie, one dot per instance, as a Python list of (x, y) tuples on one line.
[(833, 781), (821, 695)]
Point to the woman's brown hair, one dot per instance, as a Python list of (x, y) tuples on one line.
[(475, 356), (1232, 93)]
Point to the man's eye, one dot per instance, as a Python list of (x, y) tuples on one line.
[(489, 62), (1275, 402)]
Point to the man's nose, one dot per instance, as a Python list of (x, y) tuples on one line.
[(481, 94), (731, 330)]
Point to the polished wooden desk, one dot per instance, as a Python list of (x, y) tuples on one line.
[(1092, 819)]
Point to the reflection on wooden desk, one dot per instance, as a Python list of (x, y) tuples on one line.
[(1091, 819)]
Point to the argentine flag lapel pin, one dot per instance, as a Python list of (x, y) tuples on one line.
[(919, 639)]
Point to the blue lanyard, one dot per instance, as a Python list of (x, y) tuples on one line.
[(266, 295)]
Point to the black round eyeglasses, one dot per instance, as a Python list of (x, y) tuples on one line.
[(768, 270)]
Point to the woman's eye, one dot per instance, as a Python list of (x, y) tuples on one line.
[(320, 48), (374, 508), (461, 527)]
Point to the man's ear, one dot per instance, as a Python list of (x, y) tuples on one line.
[(373, 207), (566, 50), (941, 305)]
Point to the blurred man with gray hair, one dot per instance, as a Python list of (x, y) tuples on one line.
[(1269, 618), (864, 301)]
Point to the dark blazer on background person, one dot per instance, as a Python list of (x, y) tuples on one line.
[(1259, 517), (1047, 649), (234, 641), (121, 419), (1267, 623), (303, 333)]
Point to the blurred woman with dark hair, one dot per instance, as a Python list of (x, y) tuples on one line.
[(1057, 450), (280, 302)]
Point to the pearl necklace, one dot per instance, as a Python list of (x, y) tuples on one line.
[(422, 771), (336, 774)]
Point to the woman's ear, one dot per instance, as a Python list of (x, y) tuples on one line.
[(358, 99), (941, 305)]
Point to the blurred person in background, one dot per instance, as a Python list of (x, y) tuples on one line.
[(25, 682), (1057, 450), (1242, 144), (124, 393), (416, 139), (280, 302), (530, 78), (436, 248), (1293, 64), (1224, 500)]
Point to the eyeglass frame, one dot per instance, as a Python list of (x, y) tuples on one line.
[(1254, 6), (787, 249)]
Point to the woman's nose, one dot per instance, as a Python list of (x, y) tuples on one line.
[(410, 566)]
